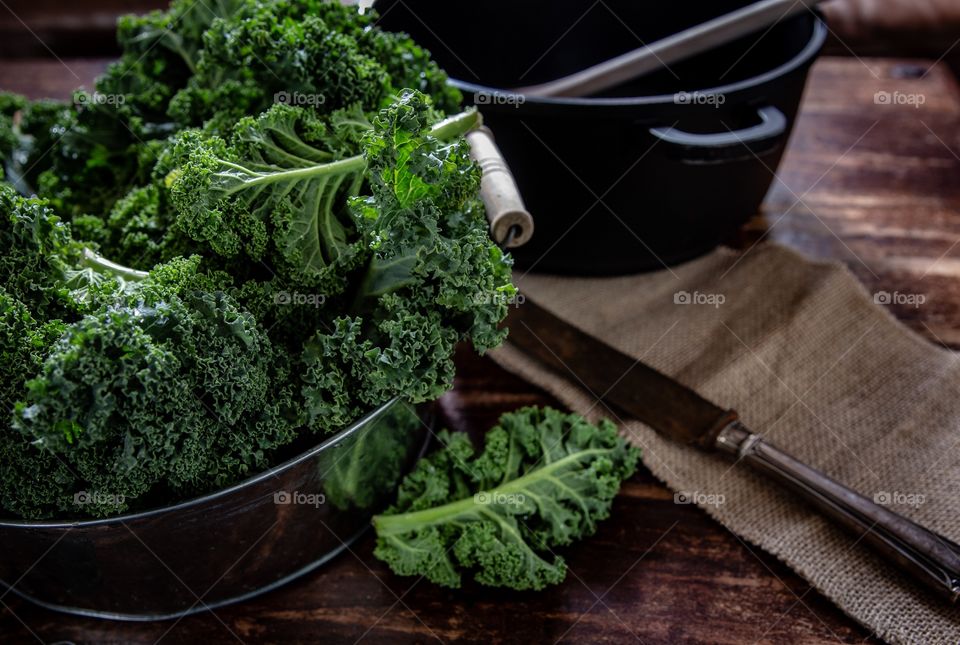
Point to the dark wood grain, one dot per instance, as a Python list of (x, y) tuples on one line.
[(876, 185), (43, 78), (54, 28), (886, 202)]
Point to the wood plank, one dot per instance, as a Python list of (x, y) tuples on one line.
[(53, 28), (44, 78), (875, 184)]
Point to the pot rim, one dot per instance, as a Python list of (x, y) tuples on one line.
[(810, 50), (356, 426)]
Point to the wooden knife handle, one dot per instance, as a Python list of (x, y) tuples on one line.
[(930, 557)]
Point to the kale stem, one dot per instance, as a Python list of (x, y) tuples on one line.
[(447, 129), (103, 265), (346, 166), (405, 522), (457, 125)]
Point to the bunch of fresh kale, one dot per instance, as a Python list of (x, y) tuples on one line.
[(260, 225)]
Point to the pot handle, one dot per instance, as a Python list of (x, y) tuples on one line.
[(511, 225), (732, 145)]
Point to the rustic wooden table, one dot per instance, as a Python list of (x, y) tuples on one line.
[(871, 183)]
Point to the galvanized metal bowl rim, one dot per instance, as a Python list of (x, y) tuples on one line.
[(179, 506), (810, 50)]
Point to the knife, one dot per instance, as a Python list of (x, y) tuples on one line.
[(680, 414)]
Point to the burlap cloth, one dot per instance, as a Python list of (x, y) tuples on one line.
[(801, 351)]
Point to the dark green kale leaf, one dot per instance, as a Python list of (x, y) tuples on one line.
[(39, 130), (38, 252), (10, 104), (173, 386), (32, 481), (295, 51), (277, 194), (428, 224), (364, 470), (430, 257), (110, 139), (543, 480), (309, 53)]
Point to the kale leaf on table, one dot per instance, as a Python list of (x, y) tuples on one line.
[(543, 480)]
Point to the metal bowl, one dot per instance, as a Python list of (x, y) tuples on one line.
[(224, 547)]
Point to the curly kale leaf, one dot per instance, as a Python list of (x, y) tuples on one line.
[(430, 234), (314, 53), (173, 387), (109, 139), (364, 470), (406, 350), (139, 231), (102, 151), (138, 228), (23, 344), (430, 259), (409, 65), (410, 161), (161, 51), (38, 131), (543, 480), (38, 251), (276, 194), (46, 269), (179, 30), (274, 49), (10, 104)]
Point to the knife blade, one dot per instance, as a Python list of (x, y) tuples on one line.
[(682, 415), (616, 379)]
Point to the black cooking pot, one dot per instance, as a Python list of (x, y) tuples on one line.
[(654, 173)]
